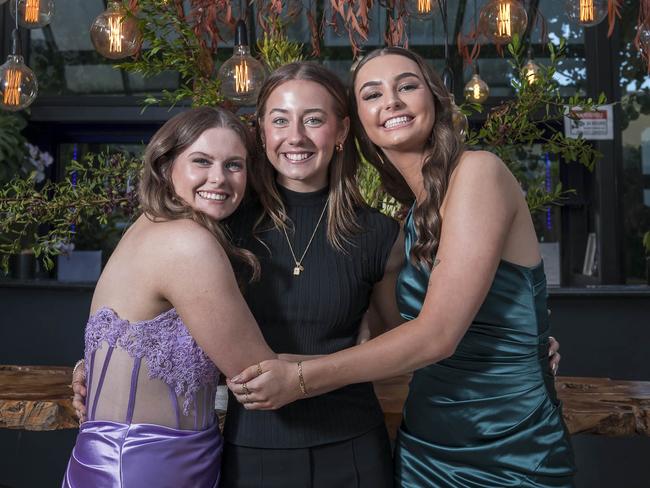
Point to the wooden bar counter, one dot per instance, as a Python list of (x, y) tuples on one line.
[(36, 398), (39, 398)]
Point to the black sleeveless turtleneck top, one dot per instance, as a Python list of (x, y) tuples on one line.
[(318, 312)]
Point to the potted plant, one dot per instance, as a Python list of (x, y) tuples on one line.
[(102, 195), (22, 160)]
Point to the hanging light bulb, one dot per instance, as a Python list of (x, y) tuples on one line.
[(18, 85), (421, 9), (33, 14), (586, 13), (476, 90), (114, 33), (500, 20), (242, 75), (531, 71)]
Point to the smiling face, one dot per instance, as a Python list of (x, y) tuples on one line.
[(394, 103), (210, 174), (300, 130)]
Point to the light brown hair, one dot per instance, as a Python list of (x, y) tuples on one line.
[(343, 189), (158, 199), (442, 152)]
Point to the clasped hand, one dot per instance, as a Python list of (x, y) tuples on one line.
[(268, 385)]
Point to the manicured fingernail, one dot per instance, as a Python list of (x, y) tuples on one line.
[(235, 379)]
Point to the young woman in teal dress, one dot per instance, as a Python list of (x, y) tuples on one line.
[(482, 409)]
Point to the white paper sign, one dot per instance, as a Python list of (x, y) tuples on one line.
[(596, 125)]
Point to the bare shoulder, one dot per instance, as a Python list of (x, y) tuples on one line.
[(478, 165), (484, 171), (183, 238)]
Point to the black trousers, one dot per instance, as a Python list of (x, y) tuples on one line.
[(361, 462)]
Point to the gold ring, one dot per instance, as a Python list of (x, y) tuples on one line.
[(246, 400), (245, 390), (259, 369)]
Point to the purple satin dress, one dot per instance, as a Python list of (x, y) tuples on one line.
[(150, 407)]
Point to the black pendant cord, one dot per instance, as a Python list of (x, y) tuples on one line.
[(476, 70), (447, 72), (15, 36)]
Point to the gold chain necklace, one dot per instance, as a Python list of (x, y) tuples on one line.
[(299, 267)]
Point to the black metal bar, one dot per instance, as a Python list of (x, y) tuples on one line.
[(603, 76), (5, 30)]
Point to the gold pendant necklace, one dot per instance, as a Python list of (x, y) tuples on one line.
[(299, 268)]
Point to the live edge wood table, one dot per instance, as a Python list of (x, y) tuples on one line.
[(39, 398)]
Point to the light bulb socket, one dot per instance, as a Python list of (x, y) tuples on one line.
[(448, 78), (476, 70), (241, 35), (15, 42)]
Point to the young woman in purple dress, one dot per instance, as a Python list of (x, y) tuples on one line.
[(167, 316)]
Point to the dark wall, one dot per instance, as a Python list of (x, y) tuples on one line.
[(605, 334), (40, 325), (601, 333)]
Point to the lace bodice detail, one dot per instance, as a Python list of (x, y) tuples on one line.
[(164, 342)]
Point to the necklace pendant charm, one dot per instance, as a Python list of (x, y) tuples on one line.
[(297, 270)]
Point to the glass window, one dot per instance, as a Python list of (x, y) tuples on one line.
[(635, 105), (65, 62)]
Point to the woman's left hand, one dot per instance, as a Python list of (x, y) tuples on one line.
[(268, 385), (554, 355)]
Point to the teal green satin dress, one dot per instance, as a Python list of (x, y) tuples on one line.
[(487, 416)]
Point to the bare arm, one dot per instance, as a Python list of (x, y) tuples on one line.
[(482, 201), (197, 279)]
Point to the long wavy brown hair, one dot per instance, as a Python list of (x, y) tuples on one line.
[(442, 152), (344, 194), (158, 199)]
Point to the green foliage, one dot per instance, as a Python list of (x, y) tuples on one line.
[(275, 49), (105, 189), (534, 117), (369, 183), (646, 242), (170, 44), (12, 145)]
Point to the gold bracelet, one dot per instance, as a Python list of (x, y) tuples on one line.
[(301, 379), (76, 366)]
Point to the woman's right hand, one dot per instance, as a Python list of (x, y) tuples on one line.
[(79, 389), (268, 385)]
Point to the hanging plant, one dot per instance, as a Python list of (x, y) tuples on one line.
[(613, 12), (354, 16), (275, 49), (642, 38), (174, 41)]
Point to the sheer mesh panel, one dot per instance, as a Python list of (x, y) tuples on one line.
[(155, 402)]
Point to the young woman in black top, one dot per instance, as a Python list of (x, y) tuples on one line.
[(322, 252)]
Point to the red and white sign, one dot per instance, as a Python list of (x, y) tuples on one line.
[(594, 126)]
